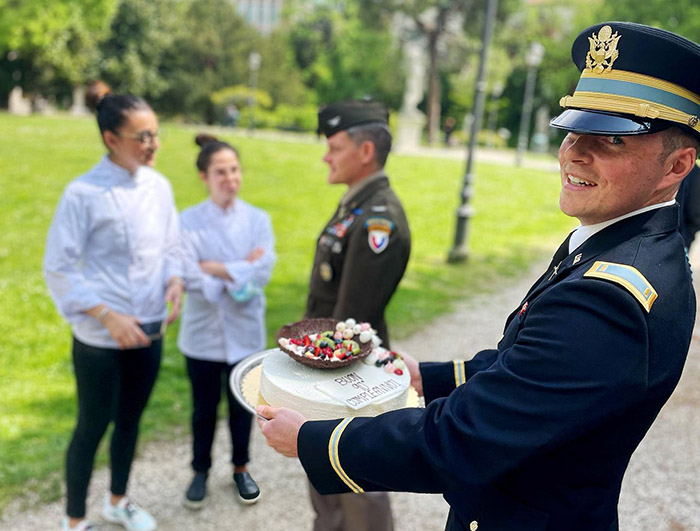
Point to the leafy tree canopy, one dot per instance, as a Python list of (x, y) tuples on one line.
[(342, 58), (210, 50), (58, 37), (140, 33)]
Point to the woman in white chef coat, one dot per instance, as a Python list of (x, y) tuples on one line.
[(228, 247), (112, 264)]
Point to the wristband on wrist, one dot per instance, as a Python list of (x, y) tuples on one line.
[(102, 315)]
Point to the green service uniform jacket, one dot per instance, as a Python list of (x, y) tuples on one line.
[(361, 256)]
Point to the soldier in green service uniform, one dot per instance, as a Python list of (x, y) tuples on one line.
[(361, 256), (363, 250)]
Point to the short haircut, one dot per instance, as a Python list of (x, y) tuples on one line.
[(375, 132), (675, 138)]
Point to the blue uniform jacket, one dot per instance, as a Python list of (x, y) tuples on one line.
[(536, 434)]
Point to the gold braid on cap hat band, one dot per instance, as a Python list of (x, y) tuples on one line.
[(637, 94), (628, 105), (644, 80)]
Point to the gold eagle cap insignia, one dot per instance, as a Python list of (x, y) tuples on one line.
[(603, 50)]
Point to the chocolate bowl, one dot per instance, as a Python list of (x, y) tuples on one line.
[(315, 326)]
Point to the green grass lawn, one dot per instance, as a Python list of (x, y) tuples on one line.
[(517, 220)]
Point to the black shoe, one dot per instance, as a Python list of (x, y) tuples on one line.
[(248, 491), (197, 491)]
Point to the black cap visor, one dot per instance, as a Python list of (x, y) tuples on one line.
[(604, 123)]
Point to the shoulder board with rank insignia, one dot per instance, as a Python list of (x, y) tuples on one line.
[(628, 277)]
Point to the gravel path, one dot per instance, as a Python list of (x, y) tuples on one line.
[(661, 490)]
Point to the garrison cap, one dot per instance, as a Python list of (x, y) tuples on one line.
[(635, 79), (341, 115)]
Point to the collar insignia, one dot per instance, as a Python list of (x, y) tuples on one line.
[(603, 50)]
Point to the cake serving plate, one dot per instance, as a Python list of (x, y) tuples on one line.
[(245, 383)]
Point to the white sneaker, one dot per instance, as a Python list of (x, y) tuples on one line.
[(84, 525), (128, 514)]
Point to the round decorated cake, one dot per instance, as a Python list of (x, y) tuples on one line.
[(375, 384)]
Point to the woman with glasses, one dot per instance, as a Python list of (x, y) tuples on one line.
[(112, 265), (228, 248)]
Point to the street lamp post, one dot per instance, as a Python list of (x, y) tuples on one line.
[(254, 61), (459, 251), (496, 93), (533, 60)]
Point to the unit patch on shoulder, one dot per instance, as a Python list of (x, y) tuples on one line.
[(378, 233), (628, 277)]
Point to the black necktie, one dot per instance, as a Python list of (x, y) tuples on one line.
[(558, 257), (550, 273)]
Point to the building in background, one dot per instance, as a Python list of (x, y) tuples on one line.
[(264, 15)]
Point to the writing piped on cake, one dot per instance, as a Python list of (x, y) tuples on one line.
[(360, 389), (340, 344)]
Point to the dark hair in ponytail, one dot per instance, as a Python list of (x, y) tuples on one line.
[(111, 109), (210, 145)]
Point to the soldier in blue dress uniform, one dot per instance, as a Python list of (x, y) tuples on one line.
[(536, 434)]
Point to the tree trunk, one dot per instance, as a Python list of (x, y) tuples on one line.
[(434, 92)]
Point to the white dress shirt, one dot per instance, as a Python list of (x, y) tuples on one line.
[(114, 240), (224, 320), (583, 232)]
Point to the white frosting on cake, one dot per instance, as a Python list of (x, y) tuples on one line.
[(287, 383)]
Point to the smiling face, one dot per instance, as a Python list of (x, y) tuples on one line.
[(223, 177), (604, 177), (136, 141)]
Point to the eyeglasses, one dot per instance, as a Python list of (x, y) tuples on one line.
[(144, 137)]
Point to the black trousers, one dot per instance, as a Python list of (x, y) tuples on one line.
[(113, 385), (207, 378)]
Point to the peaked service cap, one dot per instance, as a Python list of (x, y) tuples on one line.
[(341, 115), (635, 79)]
